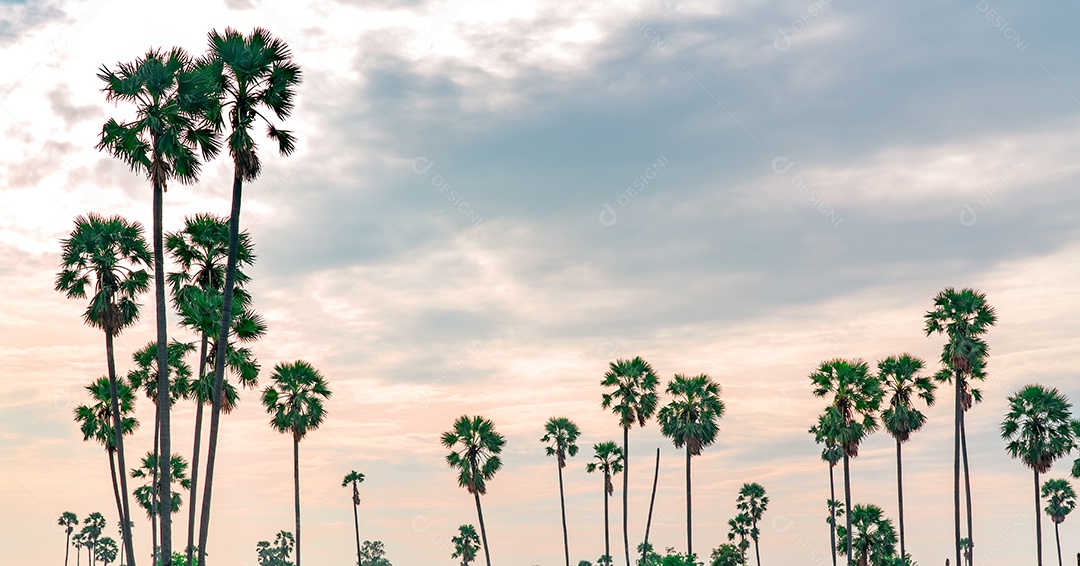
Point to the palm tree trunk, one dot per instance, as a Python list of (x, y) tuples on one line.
[(689, 522), (115, 485), (757, 552), (847, 505), (900, 497), (1057, 537), (562, 504), (652, 499), (78, 556), (958, 416), (1038, 521), (163, 379), (296, 491), (192, 491), (154, 550), (356, 522), (483, 529), (967, 486), (625, 490), (832, 512), (607, 530), (67, 547), (219, 362), (118, 432)]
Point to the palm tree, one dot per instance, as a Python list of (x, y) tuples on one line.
[(607, 456), (105, 550), (899, 376), (827, 431), (93, 526), (873, 538), (633, 399), (201, 250), (1038, 428), (465, 544), (753, 501), (354, 478), (1060, 501), (964, 316), (856, 397), (95, 422), (78, 542), (739, 527), (171, 132), (106, 257), (68, 520), (295, 398), (560, 433), (254, 74), (690, 420), (147, 496), (474, 451)]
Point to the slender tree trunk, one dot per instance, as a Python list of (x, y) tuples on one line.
[(483, 529), (67, 547), (652, 499), (163, 380), (847, 505), (296, 491), (1038, 522), (78, 556), (115, 485), (154, 510), (832, 512), (900, 497), (757, 551), (219, 363), (356, 521), (193, 491), (967, 486), (607, 530), (1057, 537), (118, 432), (625, 491), (689, 521), (958, 410), (562, 504)]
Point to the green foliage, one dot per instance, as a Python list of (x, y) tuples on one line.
[(106, 550), (560, 433), (373, 554), (295, 398), (899, 376), (727, 555), (856, 397), (466, 544), (634, 396), (691, 417), (276, 554), (608, 458), (741, 528), (95, 420), (353, 478), (147, 496), (873, 537), (68, 520), (963, 316), (474, 451), (753, 502), (1060, 498), (145, 374), (1038, 427)]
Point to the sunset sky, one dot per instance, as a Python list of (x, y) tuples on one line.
[(493, 199)]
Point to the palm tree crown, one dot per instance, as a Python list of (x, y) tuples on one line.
[(561, 434), (474, 450), (901, 382), (691, 417), (634, 397), (856, 397), (295, 398), (466, 543), (1038, 427), (95, 420), (1060, 499), (608, 458)]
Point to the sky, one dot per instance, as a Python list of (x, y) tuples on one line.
[(490, 201)]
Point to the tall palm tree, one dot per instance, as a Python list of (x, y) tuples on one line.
[(607, 456), (295, 399), (560, 433), (963, 316), (1038, 428), (148, 495), (899, 376), (753, 501), (474, 450), (255, 76), (633, 399), (856, 398), (95, 422), (354, 478), (691, 420), (827, 431), (466, 543), (106, 257), (873, 536), (1060, 501), (171, 133), (68, 520)]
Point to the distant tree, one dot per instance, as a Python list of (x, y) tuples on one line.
[(726, 555), (68, 520), (607, 456), (373, 553), (740, 527), (353, 479), (466, 543), (276, 554), (474, 452), (753, 501), (561, 434), (1060, 501), (106, 550), (873, 536)]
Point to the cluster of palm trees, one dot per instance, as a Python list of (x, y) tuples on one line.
[(185, 110), (98, 548)]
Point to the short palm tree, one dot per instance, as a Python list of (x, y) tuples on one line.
[(753, 501), (873, 536), (67, 520), (171, 133), (466, 543), (78, 542), (474, 451), (856, 397), (1038, 428), (827, 432), (963, 316), (105, 550), (1060, 501), (95, 422), (93, 526), (691, 420), (254, 77), (353, 479), (105, 258), (739, 527), (560, 434), (899, 376), (147, 495), (633, 398), (295, 399), (607, 456)]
